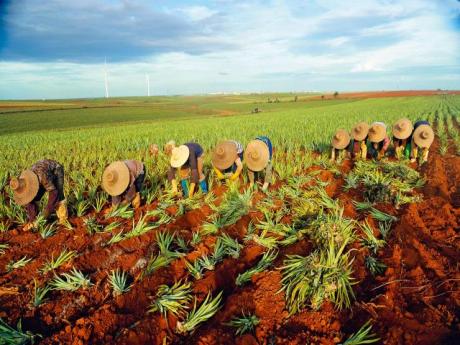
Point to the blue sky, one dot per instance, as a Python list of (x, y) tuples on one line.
[(56, 48)]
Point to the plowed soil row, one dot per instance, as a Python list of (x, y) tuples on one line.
[(415, 302)]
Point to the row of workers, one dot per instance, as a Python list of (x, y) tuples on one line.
[(372, 141), (123, 180)]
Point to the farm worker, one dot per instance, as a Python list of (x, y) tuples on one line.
[(402, 131), (422, 138), (358, 145), (44, 176), (258, 157), (379, 140), (189, 159), (169, 146), (227, 160), (123, 180), (340, 144), (153, 150)]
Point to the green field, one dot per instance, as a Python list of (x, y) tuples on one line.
[(86, 135)]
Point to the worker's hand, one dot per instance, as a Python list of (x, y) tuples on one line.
[(265, 186), (234, 176), (412, 160), (219, 174), (29, 226), (174, 186), (137, 200), (398, 151), (191, 190)]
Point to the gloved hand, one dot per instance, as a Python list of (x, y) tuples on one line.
[(219, 174), (30, 226), (425, 155), (191, 190), (137, 200), (265, 186), (398, 151), (174, 186), (234, 176), (61, 212), (363, 150)]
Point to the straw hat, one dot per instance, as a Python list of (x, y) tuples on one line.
[(423, 136), (179, 156), (115, 179), (256, 155), (402, 129), (25, 188), (377, 132), (224, 155), (360, 131), (341, 139)]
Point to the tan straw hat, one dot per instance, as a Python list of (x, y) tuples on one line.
[(115, 179), (224, 155), (25, 188), (179, 156), (423, 136), (256, 155), (341, 139), (402, 129), (360, 131), (377, 132)]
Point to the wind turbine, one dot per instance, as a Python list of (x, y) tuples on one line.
[(106, 81), (147, 79)]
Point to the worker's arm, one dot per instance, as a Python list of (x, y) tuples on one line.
[(239, 169), (333, 154), (268, 176), (219, 174)]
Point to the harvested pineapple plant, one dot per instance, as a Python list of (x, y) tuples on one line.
[(317, 259)]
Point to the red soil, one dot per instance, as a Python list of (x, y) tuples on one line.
[(416, 301)]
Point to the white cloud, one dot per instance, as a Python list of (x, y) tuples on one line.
[(197, 13), (268, 46)]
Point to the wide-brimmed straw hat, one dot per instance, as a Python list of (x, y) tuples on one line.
[(179, 156), (25, 188), (402, 129), (256, 155), (423, 136), (341, 139), (115, 179), (224, 155), (360, 131), (377, 132)]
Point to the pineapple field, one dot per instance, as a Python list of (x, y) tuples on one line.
[(345, 252)]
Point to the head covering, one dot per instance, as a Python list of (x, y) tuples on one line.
[(179, 156), (423, 136), (341, 139), (402, 129), (25, 188), (224, 155), (115, 179), (377, 132), (256, 155), (360, 131)]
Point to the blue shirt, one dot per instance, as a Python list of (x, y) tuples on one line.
[(268, 143)]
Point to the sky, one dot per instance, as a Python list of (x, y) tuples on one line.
[(58, 48)]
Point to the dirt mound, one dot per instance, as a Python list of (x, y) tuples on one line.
[(415, 301)]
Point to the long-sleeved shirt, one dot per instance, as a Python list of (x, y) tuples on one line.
[(268, 169), (136, 170), (195, 151), (51, 178), (240, 153), (47, 170)]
